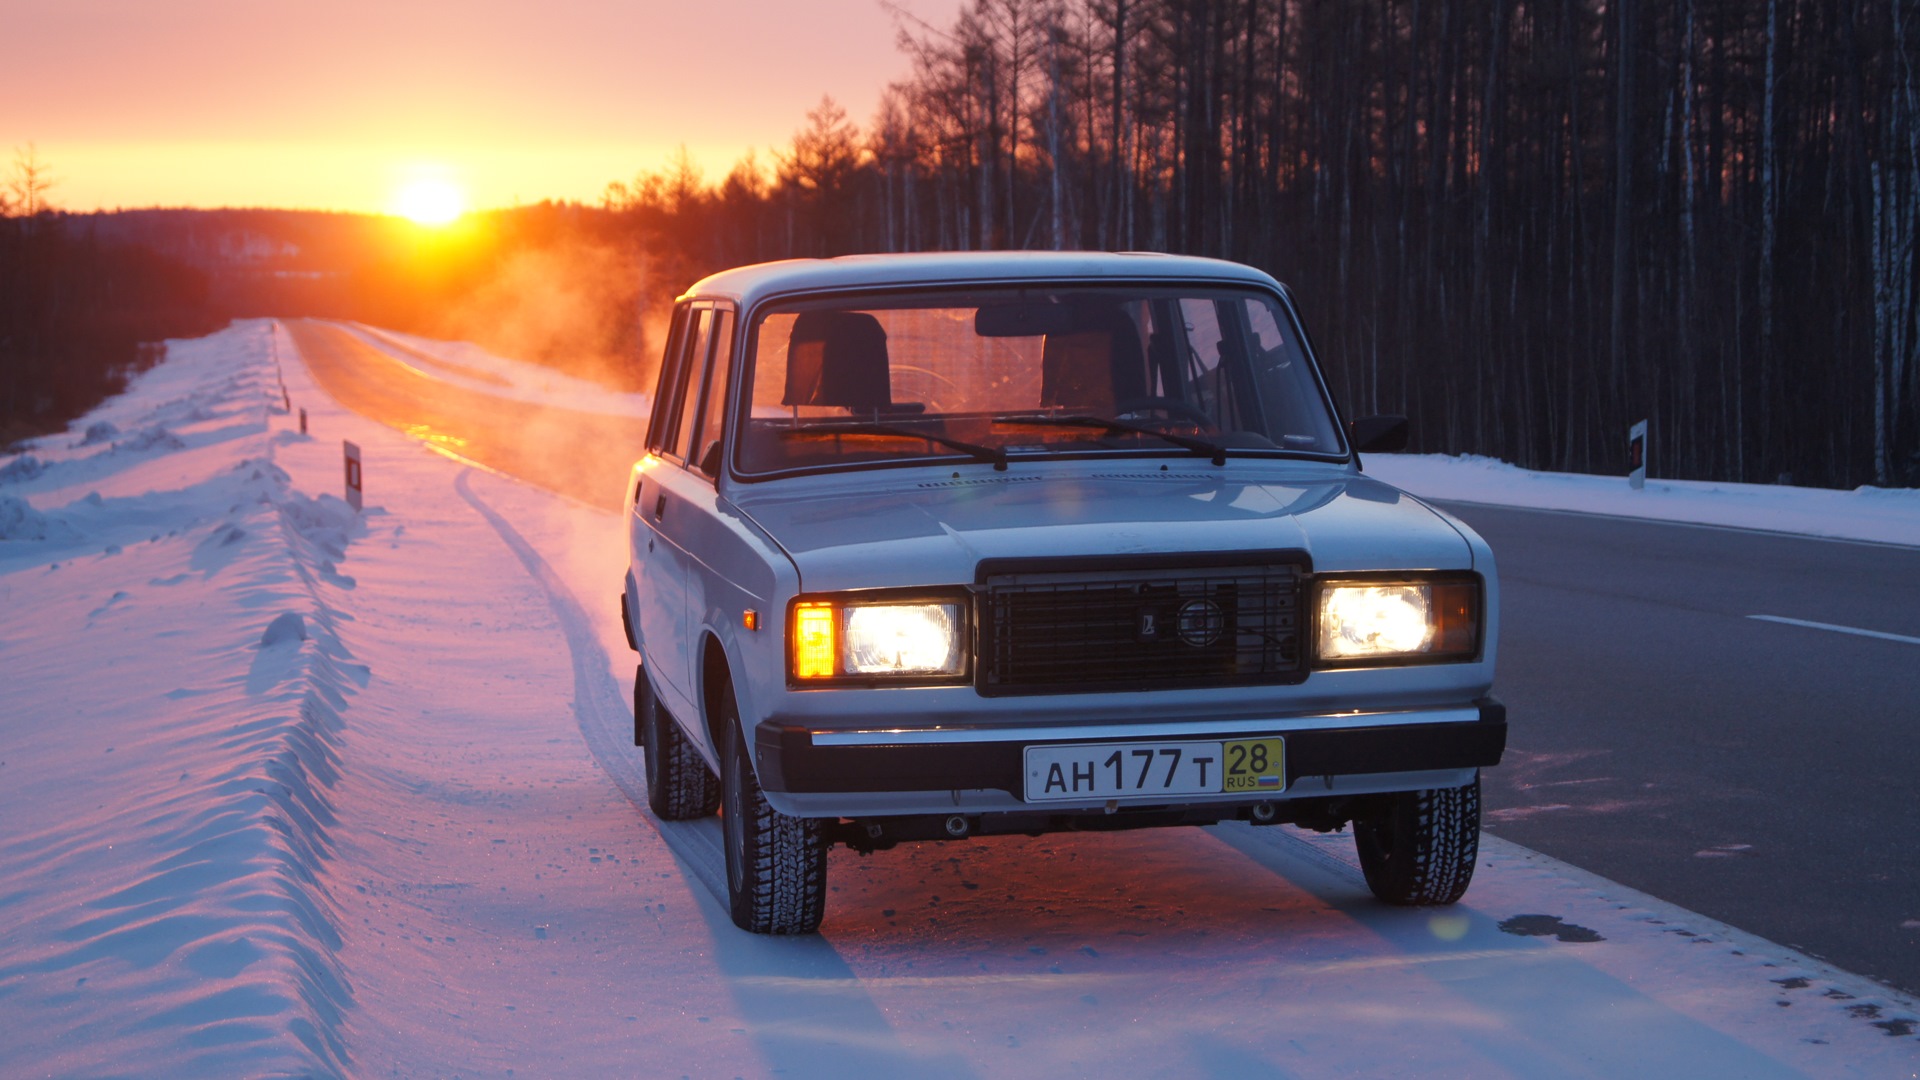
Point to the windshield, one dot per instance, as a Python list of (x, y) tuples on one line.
[(1010, 373)]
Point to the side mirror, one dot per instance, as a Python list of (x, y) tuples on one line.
[(1378, 434)]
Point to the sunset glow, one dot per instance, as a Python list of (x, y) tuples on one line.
[(215, 104), (430, 201)]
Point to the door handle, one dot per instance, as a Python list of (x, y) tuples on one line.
[(660, 506)]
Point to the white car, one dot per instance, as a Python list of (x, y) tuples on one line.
[(928, 547)]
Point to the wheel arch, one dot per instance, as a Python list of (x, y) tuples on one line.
[(716, 675)]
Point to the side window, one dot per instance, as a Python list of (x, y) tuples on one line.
[(1267, 336), (1289, 399), (1216, 361), (687, 397), (705, 450), (1207, 387), (670, 368)]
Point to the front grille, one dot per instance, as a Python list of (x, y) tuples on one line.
[(1058, 632)]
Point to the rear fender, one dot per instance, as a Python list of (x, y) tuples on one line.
[(629, 602)]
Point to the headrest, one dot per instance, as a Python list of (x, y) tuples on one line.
[(1096, 366), (838, 358)]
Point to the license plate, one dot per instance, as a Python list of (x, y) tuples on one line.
[(1122, 770)]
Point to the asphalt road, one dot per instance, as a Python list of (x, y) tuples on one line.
[(1765, 774), (582, 455), (1762, 773)]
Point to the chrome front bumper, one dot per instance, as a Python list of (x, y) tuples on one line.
[(978, 769)]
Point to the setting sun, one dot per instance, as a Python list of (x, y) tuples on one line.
[(430, 201)]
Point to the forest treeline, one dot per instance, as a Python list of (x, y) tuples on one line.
[(74, 310), (1525, 223)]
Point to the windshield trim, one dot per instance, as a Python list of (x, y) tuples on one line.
[(747, 344)]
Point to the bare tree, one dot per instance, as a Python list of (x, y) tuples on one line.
[(31, 181), (1526, 223)]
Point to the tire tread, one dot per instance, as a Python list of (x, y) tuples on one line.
[(1422, 851), (784, 858), (680, 787)]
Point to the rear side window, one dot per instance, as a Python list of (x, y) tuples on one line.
[(699, 338), (671, 367), (704, 453)]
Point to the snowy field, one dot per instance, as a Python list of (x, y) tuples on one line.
[(291, 790)]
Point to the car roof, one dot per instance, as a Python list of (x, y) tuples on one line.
[(749, 284)]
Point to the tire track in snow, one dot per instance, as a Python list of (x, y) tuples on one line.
[(802, 1002), (599, 707)]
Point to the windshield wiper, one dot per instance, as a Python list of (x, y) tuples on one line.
[(1201, 447), (996, 458)]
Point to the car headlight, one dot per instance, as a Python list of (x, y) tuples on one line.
[(834, 639), (1398, 621)]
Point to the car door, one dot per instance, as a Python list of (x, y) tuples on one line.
[(693, 525), (645, 562), (660, 509), (686, 501)]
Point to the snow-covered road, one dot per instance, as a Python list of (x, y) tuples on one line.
[(286, 789)]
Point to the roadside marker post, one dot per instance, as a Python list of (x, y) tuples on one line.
[(1637, 456), (353, 474), (303, 421), (279, 373)]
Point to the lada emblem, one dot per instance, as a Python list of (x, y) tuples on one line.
[(1149, 627), (1201, 622)]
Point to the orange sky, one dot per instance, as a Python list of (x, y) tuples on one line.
[(339, 104)]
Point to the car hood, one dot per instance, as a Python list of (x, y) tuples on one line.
[(914, 531)]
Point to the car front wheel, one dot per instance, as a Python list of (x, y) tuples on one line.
[(776, 865), (680, 787), (1419, 848)]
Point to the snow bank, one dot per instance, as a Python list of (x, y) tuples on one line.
[(1877, 515), (155, 436), (159, 883), (22, 467), (98, 432), (20, 521)]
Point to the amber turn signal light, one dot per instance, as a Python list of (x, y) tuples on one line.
[(814, 649)]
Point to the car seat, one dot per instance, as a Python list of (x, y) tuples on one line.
[(1094, 367), (838, 358)]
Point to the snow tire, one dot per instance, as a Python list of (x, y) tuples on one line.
[(776, 865), (680, 787), (1420, 852)]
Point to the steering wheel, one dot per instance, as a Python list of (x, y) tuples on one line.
[(1173, 407), (933, 403)]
